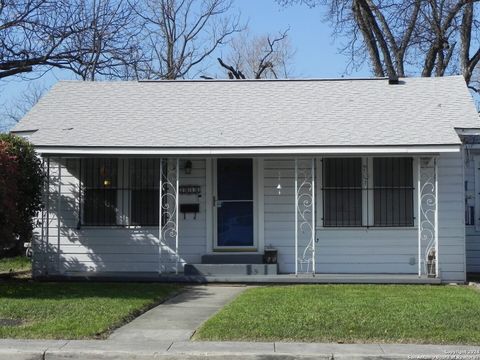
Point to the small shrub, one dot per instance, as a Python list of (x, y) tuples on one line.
[(21, 180)]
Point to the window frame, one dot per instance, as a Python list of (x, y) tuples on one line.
[(367, 196), (123, 193)]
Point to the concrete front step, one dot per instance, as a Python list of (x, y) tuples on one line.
[(230, 269), (232, 259)]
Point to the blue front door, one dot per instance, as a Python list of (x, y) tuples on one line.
[(234, 203)]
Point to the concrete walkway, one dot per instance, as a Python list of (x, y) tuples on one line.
[(165, 331), (178, 318)]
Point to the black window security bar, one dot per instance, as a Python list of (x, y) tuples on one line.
[(120, 191), (342, 192), (144, 187), (344, 198), (393, 192), (100, 185)]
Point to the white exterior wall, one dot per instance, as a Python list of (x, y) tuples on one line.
[(111, 249), (366, 250), (347, 250), (451, 217), (472, 198)]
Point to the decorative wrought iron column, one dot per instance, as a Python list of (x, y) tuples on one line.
[(168, 215), (59, 214), (427, 216), (44, 246), (304, 216)]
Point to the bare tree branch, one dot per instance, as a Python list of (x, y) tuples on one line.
[(181, 34), (19, 106), (258, 57), (232, 72), (88, 37), (430, 37)]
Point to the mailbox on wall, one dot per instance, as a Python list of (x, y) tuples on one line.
[(193, 192)]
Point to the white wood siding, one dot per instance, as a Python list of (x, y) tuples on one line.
[(111, 249), (362, 250), (358, 250), (472, 198), (451, 217)]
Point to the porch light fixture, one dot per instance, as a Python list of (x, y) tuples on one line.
[(188, 167), (107, 182), (279, 186)]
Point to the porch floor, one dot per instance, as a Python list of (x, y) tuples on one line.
[(307, 279), (259, 279)]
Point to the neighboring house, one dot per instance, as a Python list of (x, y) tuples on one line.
[(471, 140), (351, 180)]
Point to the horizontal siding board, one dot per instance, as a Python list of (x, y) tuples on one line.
[(361, 250), (114, 248), (338, 251), (112, 267)]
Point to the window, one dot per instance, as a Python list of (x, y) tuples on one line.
[(342, 192), (378, 193), (120, 192), (144, 184), (393, 191), (100, 180)]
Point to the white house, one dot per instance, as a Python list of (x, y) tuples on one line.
[(345, 180), (471, 140)]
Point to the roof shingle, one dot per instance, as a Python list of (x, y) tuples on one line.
[(418, 111)]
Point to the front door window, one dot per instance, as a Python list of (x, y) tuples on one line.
[(234, 203)]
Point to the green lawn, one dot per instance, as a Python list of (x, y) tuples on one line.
[(15, 264), (350, 314), (73, 310)]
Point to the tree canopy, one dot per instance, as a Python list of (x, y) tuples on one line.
[(400, 38), (125, 39)]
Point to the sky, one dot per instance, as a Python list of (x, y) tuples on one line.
[(316, 51)]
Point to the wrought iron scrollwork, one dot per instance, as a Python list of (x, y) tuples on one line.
[(305, 215), (168, 238), (427, 217)]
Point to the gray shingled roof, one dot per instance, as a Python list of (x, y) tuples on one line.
[(206, 114)]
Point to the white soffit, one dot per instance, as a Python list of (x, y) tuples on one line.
[(250, 151)]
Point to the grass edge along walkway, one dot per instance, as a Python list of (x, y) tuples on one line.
[(54, 310), (350, 314)]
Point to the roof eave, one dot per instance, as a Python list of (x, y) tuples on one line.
[(250, 151)]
